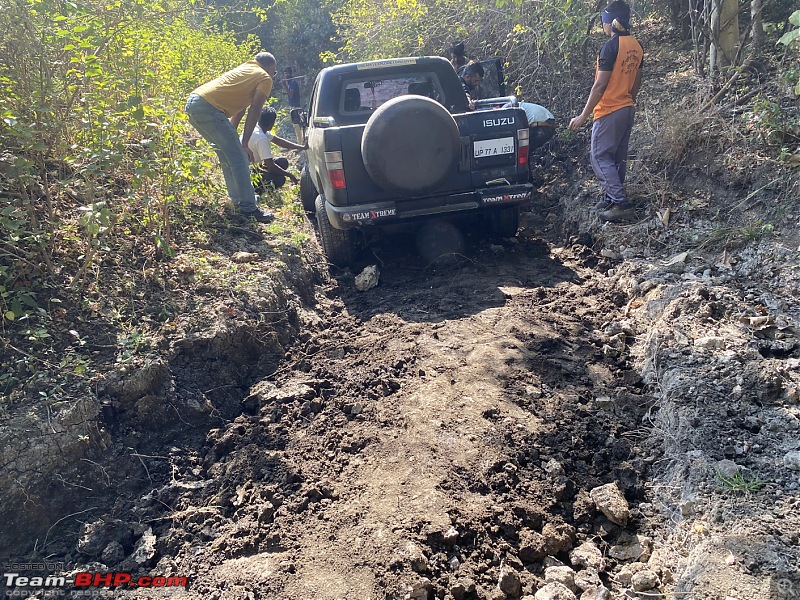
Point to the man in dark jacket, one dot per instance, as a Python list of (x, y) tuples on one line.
[(471, 81)]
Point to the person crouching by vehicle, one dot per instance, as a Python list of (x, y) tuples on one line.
[(270, 170), (471, 81), (541, 127), (541, 123)]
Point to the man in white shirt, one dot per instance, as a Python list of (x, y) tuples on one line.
[(541, 122), (269, 169)]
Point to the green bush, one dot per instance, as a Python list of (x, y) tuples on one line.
[(92, 123)]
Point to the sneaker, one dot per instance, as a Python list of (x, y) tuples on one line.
[(616, 213), (260, 215)]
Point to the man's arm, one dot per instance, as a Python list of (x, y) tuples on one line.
[(253, 112), (278, 141), (237, 118), (598, 89), (270, 165), (470, 101)]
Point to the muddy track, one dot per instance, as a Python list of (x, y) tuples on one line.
[(434, 437)]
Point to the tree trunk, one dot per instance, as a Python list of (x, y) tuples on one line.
[(724, 34), (758, 26)]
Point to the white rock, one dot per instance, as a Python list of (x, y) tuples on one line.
[(792, 460), (587, 555), (710, 342), (726, 468), (598, 593), (555, 591), (367, 279), (612, 503), (563, 575), (645, 580)]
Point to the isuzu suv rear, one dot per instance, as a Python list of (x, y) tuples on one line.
[(394, 141)]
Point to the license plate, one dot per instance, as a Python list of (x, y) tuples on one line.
[(484, 148)]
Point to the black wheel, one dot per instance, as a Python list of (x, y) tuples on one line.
[(410, 145), (504, 222), (308, 192), (337, 244)]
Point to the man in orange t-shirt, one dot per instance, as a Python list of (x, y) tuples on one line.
[(612, 99), (216, 108)]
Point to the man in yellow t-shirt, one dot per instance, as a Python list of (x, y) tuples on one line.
[(618, 77), (216, 108)]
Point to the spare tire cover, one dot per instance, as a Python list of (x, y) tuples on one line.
[(410, 145)]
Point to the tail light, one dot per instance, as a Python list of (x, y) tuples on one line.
[(523, 135), (335, 166)]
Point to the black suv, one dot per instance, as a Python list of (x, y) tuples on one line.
[(394, 140)]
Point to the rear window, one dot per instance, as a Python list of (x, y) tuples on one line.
[(360, 96)]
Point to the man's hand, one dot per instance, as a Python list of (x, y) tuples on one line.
[(577, 122), (294, 178), (249, 152)]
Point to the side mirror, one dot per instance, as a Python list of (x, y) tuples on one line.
[(299, 116)]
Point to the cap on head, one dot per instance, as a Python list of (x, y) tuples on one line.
[(287, 70), (617, 11)]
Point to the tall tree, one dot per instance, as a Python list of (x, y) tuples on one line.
[(724, 34)]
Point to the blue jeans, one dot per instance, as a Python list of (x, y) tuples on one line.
[(610, 137), (218, 131)]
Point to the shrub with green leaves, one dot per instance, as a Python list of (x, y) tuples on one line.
[(91, 115), (792, 37)]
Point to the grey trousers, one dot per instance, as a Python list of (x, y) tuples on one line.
[(610, 137)]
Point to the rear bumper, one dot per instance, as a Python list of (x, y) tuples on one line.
[(379, 213)]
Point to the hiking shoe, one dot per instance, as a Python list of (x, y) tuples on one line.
[(616, 213), (603, 205), (260, 215)]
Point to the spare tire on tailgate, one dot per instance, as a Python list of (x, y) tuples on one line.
[(410, 145)]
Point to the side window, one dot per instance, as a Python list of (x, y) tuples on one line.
[(493, 83), (312, 103)]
